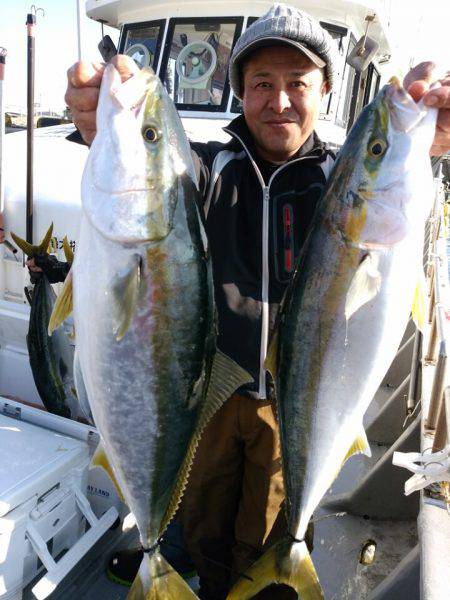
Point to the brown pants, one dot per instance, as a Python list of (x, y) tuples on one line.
[(232, 510)]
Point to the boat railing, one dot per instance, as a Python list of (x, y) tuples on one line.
[(437, 419)]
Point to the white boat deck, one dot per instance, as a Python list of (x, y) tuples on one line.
[(337, 546)]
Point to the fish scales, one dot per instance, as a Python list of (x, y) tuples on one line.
[(344, 315)]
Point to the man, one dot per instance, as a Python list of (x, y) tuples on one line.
[(260, 191)]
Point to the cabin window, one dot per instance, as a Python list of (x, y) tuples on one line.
[(236, 105), (372, 84), (347, 90), (142, 41), (337, 34), (195, 62)]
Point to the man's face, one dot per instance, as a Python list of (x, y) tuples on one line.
[(283, 91)]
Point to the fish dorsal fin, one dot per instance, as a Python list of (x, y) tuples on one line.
[(68, 252), (31, 250), (364, 286), (63, 305), (225, 378), (125, 296), (271, 362), (101, 460)]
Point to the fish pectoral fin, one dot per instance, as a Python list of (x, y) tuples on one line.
[(68, 252), (287, 562), (157, 580), (364, 286), (419, 302), (125, 296), (63, 305), (226, 376), (101, 460), (271, 362), (29, 249)]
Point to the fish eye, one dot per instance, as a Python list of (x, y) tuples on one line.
[(377, 148), (151, 133)]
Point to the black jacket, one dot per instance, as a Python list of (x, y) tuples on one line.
[(257, 216)]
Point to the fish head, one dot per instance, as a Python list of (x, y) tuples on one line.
[(382, 177), (132, 175)]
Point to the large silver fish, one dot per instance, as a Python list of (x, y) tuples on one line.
[(345, 314), (143, 310)]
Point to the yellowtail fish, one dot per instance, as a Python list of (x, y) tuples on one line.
[(144, 312), (344, 315)]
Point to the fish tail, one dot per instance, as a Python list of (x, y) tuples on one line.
[(287, 562), (156, 580)]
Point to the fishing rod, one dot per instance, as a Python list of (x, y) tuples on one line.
[(8, 245), (30, 23), (3, 53)]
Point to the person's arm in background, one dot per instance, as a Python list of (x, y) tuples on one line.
[(418, 82)]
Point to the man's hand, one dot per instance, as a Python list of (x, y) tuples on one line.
[(83, 86), (418, 82)]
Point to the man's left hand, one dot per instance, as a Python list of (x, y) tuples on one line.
[(418, 82)]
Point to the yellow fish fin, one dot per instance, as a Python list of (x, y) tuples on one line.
[(63, 305), (31, 250), (101, 460), (68, 252), (419, 302), (359, 446), (364, 286), (225, 378), (157, 580), (287, 562)]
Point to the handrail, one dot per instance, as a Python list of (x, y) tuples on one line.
[(438, 418)]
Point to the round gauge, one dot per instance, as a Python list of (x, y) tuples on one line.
[(140, 54), (196, 63)]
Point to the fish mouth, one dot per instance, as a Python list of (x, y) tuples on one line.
[(404, 112)]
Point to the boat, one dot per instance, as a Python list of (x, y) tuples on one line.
[(371, 540)]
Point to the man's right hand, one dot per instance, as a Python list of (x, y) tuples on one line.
[(83, 86)]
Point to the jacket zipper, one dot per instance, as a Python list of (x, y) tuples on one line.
[(265, 262)]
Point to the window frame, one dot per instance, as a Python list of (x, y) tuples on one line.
[(161, 23), (372, 72), (213, 108)]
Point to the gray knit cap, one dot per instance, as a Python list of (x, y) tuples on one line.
[(283, 24)]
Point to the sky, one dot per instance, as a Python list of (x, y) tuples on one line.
[(56, 44), (420, 31)]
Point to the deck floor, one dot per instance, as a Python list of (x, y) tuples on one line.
[(337, 546)]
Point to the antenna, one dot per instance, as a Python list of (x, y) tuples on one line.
[(365, 49)]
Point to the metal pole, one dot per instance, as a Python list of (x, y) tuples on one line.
[(79, 36), (31, 22), (415, 370), (430, 357), (2, 137), (440, 435), (447, 411), (437, 391)]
